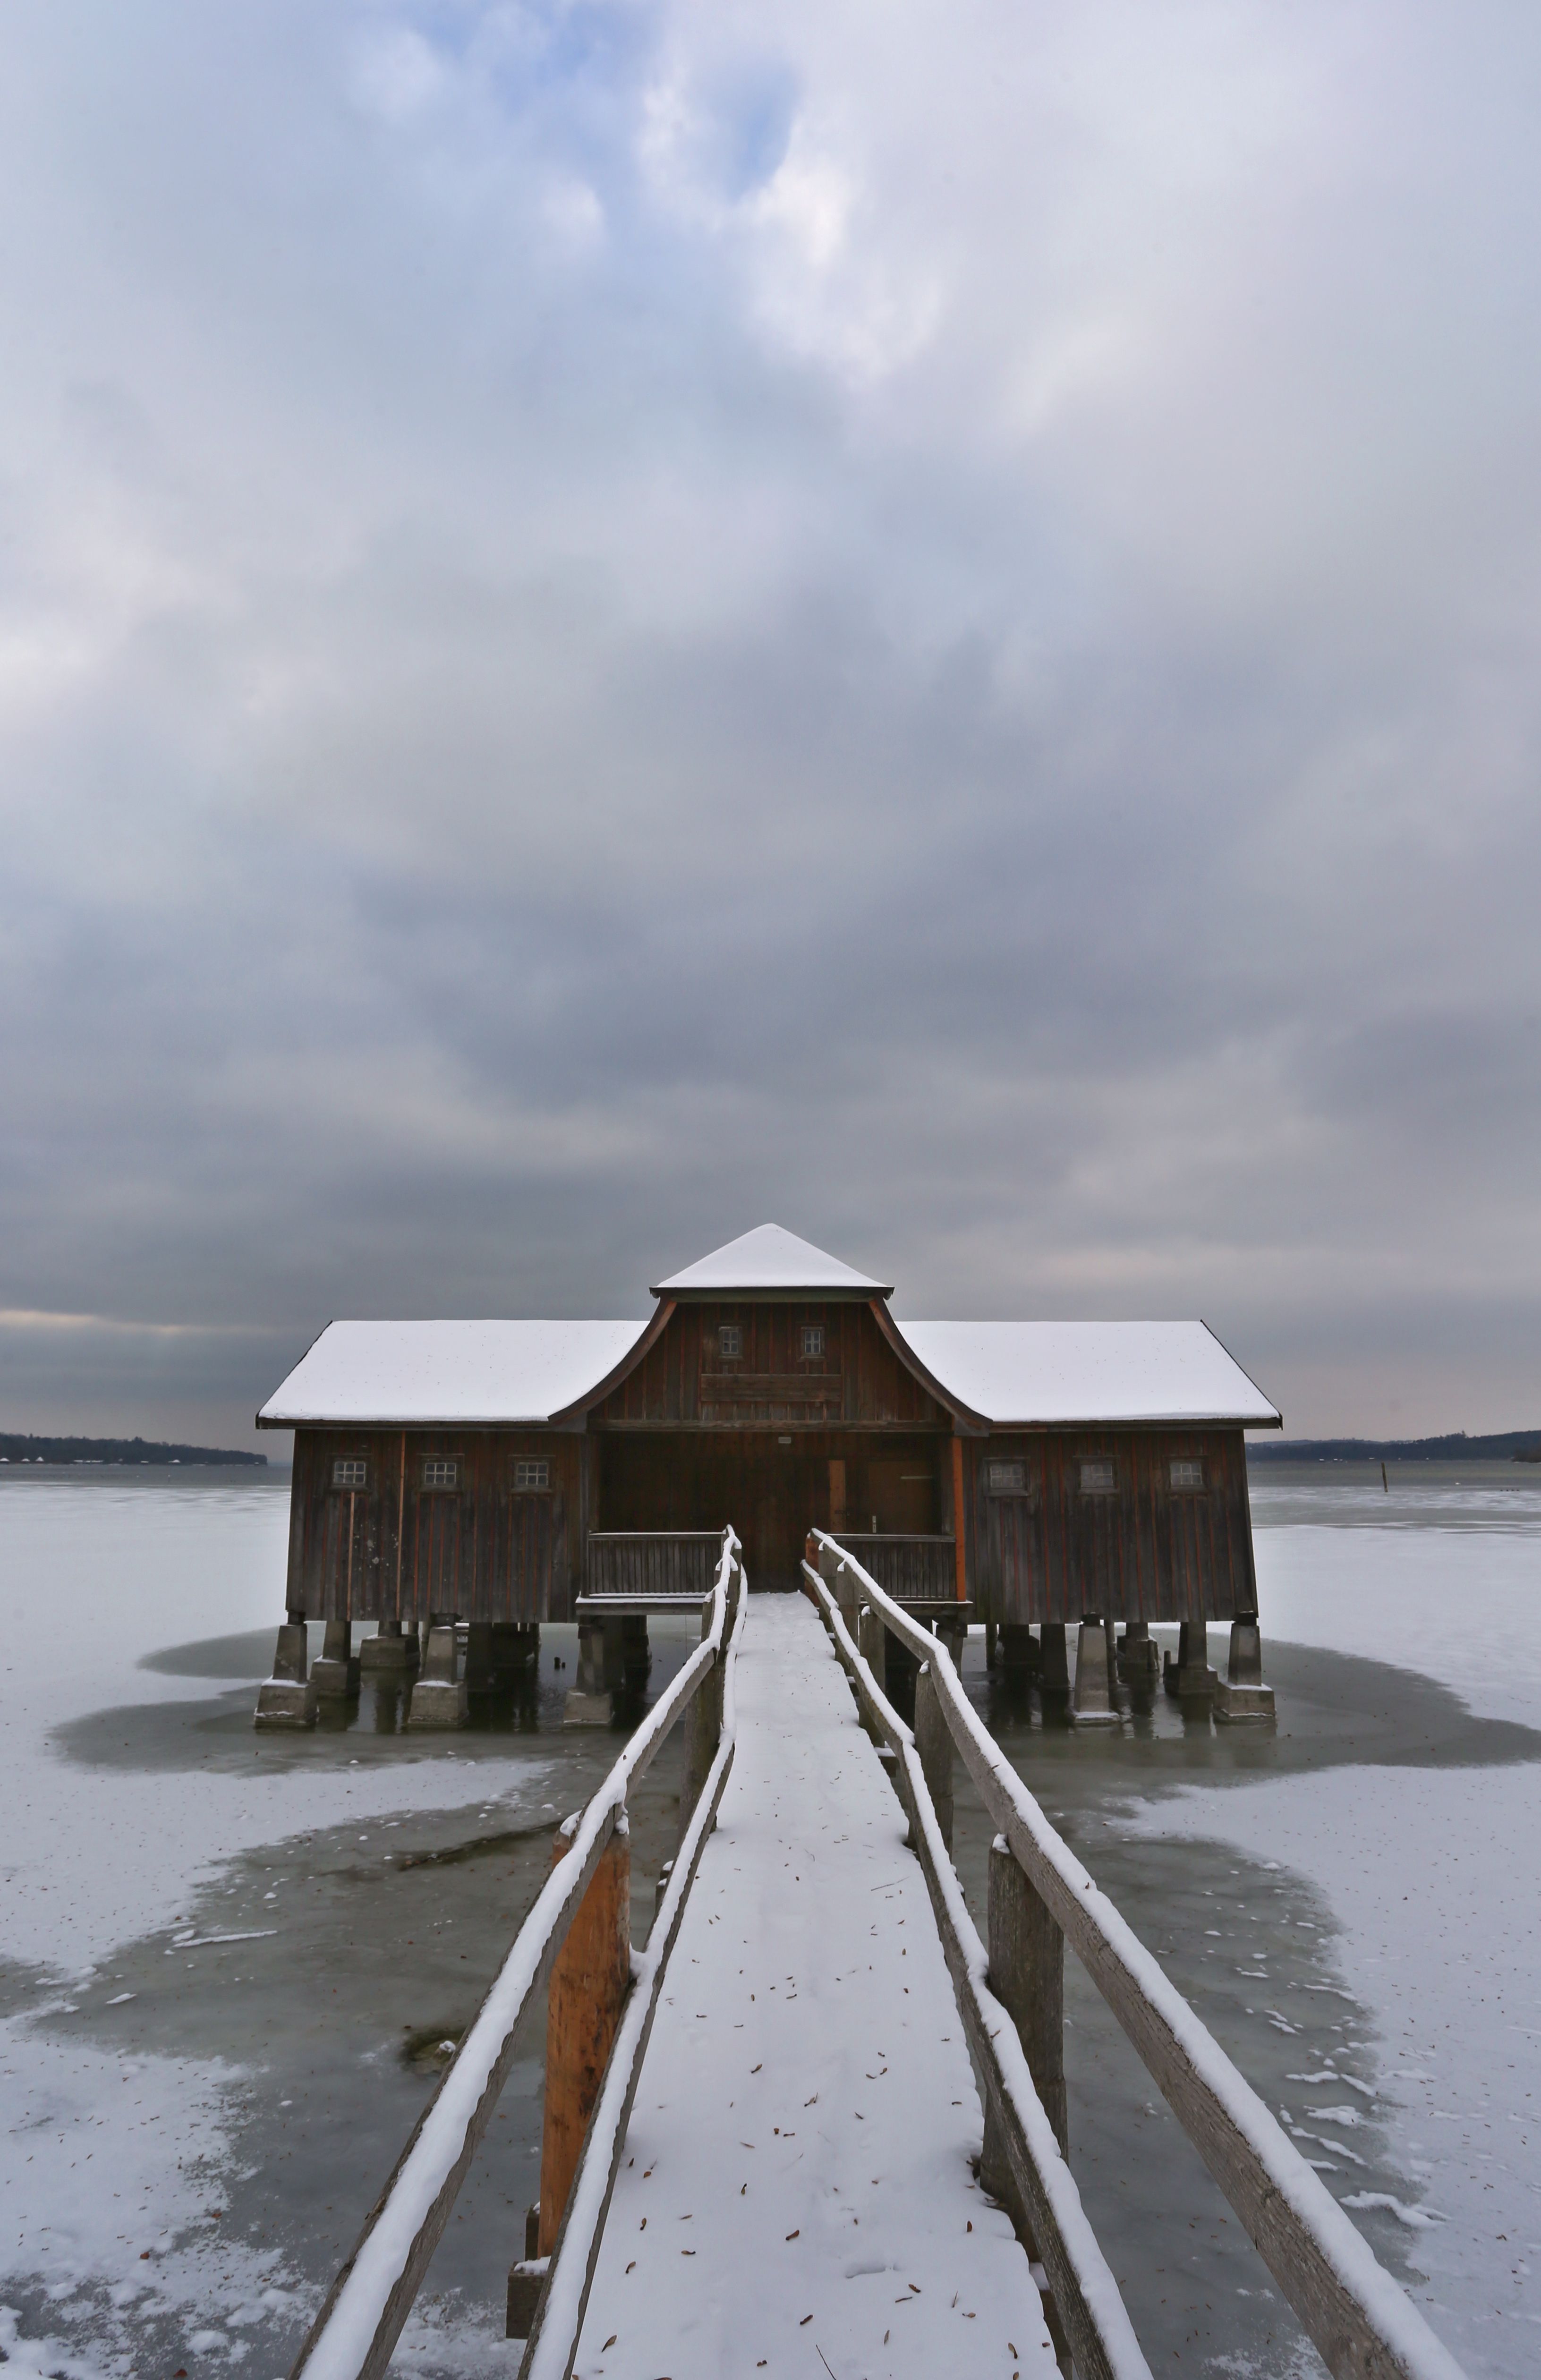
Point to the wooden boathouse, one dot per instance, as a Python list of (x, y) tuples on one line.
[(1029, 1474)]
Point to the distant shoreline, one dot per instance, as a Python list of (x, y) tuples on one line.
[(1506, 1445), (17, 1447)]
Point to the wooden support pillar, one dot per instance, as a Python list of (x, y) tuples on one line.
[(870, 1634), (1053, 1661), (990, 1644), (933, 1741), (588, 1986), (960, 1525), (1027, 1975), (480, 1666), (703, 1732)]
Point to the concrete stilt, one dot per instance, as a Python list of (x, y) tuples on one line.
[(287, 1699), (1110, 1631), (439, 1698), (335, 1675), (588, 1700), (1093, 1704), (1189, 1678), (1053, 1662), (1137, 1655), (392, 1651), (1241, 1694)]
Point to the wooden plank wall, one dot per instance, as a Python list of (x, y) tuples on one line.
[(1147, 1551), (906, 1568), (859, 1381), (396, 1551), (636, 1564)]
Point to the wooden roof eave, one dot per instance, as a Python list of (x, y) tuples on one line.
[(576, 1415), (966, 1423)]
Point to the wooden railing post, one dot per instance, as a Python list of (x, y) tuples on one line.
[(588, 1986), (933, 1741), (703, 1732), (1027, 1975)]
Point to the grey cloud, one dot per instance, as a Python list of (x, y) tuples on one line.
[(616, 623)]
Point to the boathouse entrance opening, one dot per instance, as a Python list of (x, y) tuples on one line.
[(772, 1487)]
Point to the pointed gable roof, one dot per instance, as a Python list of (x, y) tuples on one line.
[(769, 1260)]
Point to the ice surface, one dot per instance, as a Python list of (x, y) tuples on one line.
[(1042, 1372), (796, 2182), (425, 1372), (1457, 1604), (1430, 1874)]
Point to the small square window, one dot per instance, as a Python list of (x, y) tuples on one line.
[(729, 1341), (532, 1473), (1097, 1479), (1188, 1473), (813, 1339), (1005, 1479), (441, 1471), (349, 1471)]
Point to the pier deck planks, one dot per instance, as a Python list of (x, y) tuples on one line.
[(806, 2075)]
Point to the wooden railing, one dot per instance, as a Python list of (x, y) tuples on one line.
[(1363, 2325), (911, 1569), (647, 1562), (355, 2333)]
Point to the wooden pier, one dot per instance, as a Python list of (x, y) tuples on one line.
[(808, 2008), (819, 2120)]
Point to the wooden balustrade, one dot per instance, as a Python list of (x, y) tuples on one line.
[(574, 1945), (1363, 2325)]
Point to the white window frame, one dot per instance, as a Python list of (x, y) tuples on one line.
[(1186, 1463), (1006, 1475), (444, 1462), (527, 1464), (1098, 1476), (811, 1343), (348, 1463), (730, 1343)]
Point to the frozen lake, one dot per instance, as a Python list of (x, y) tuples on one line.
[(229, 1962)]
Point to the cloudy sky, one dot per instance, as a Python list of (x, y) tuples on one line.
[(619, 621)]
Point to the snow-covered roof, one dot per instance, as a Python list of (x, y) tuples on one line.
[(423, 1372), (767, 1258), (1056, 1373)]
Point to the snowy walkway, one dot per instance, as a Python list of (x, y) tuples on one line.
[(796, 2196)]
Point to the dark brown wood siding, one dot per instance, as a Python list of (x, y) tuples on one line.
[(1145, 1550), (857, 1382), (633, 1563), (910, 1569), (396, 1550)]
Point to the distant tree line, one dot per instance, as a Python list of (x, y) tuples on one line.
[(1506, 1445), (18, 1448)]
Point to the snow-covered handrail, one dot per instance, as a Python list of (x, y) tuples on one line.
[(1084, 2296), (1363, 2324), (355, 2334), (564, 2301)]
